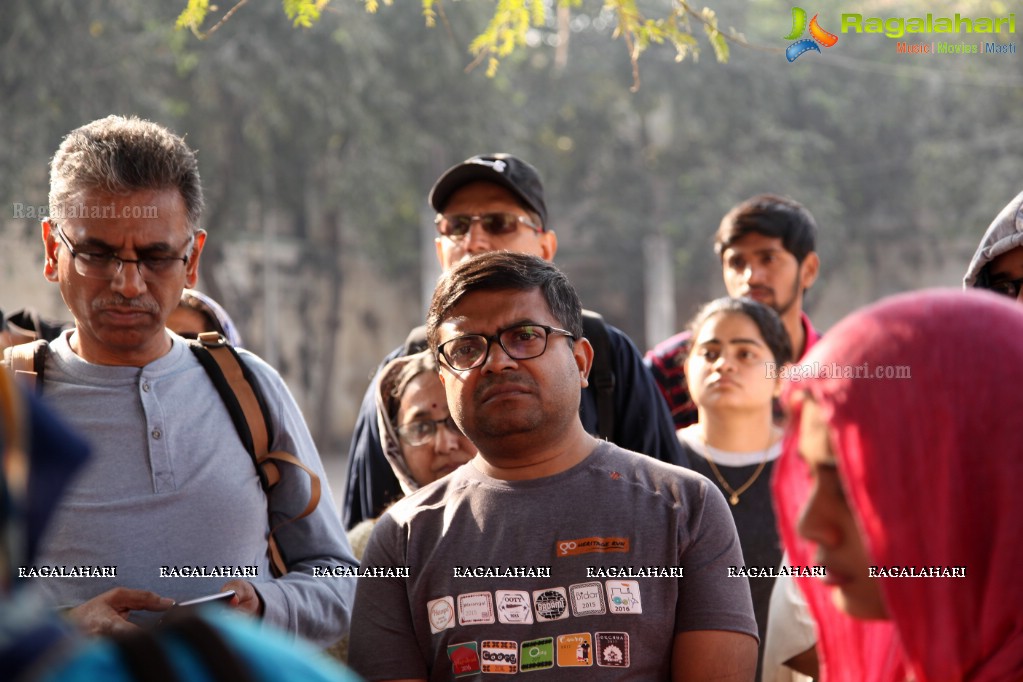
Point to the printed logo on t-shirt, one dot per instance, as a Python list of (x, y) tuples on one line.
[(575, 650), (442, 614), (587, 599), (623, 596), (475, 608), (465, 659), (592, 545), (500, 657), (550, 604), (536, 654), (514, 607), (612, 649)]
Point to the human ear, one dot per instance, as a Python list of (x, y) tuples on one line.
[(582, 351), (808, 270), (192, 269), (50, 251)]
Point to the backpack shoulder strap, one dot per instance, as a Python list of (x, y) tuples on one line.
[(27, 361), (602, 375), (247, 407), (243, 402)]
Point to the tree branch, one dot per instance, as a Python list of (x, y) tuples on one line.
[(203, 36)]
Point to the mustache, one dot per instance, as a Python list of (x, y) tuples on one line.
[(141, 305), (518, 379)]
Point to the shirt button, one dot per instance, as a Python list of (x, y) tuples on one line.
[(156, 434), (145, 387)]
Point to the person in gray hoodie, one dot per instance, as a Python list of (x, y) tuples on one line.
[(998, 263)]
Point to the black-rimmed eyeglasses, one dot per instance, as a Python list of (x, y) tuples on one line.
[(521, 342), (107, 265)]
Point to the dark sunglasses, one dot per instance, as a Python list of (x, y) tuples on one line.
[(457, 225)]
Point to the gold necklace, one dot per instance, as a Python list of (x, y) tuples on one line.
[(733, 494)]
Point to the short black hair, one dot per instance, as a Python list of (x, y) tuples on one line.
[(772, 216), (770, 325), (504, 270)]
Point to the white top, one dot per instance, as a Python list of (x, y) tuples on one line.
[(790, 630), (692, 436)]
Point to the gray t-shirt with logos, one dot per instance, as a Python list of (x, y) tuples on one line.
[(574, 576)]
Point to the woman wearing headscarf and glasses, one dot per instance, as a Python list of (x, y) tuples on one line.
[(419, 438)]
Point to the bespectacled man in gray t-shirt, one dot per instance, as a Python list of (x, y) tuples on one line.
[(550, 552)]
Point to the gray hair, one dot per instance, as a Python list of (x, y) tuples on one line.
[(121, 155)]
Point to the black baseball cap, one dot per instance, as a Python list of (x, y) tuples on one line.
[(508, 171)]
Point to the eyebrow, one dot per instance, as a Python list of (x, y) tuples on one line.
[(738, 341), (97, 243), (524, 322), (731, 252), (419, 410), (1002, 275)]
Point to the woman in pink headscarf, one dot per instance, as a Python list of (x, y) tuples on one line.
[(905, 457)]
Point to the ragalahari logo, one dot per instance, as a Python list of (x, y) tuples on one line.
[(818, 36)]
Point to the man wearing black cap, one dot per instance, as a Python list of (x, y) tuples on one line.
[(502, 198), (496, 202)]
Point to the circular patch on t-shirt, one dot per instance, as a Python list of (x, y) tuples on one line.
[(551, 604)]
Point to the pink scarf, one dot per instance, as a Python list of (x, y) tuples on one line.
[(933, 468)]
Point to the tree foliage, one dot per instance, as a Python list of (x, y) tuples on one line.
[(512, 21)]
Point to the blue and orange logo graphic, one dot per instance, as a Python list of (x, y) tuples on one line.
[(818, 36)]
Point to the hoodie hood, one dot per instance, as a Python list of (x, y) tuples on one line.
[(1003, 235)]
